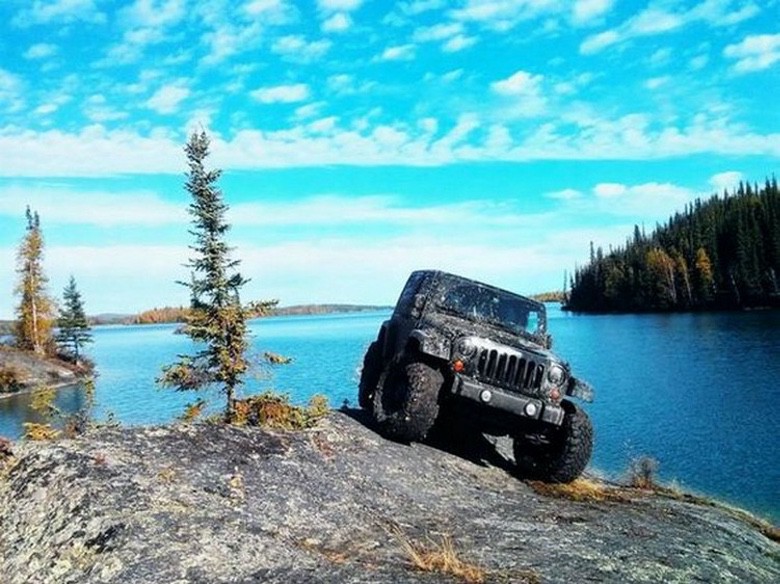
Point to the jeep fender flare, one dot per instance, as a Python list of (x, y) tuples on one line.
[(431, 344)]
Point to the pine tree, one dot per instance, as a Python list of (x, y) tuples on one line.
[(74, 330), (217, 319), (35, 313)]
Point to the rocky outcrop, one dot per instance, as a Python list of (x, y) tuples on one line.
[(29, 370), (336, 503)]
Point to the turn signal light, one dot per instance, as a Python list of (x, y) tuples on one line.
[(458, 366)]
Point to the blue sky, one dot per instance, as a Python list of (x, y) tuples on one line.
[(363, 139)]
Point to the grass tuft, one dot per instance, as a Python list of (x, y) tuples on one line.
[(580, 490), (441, 558)]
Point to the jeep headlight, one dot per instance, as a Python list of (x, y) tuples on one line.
[(556, 375), (465, 347)]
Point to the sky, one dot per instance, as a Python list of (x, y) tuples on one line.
[(362, 139)]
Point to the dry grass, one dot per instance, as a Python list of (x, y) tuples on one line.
[(581, 490), (441, 558)]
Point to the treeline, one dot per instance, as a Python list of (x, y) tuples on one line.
[(720, 253), (162, 315)]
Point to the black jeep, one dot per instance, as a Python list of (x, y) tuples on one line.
[(459, 353)]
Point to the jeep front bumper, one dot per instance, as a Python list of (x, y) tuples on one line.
[(500, 399)]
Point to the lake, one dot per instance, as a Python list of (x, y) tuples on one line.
[(697, 392)]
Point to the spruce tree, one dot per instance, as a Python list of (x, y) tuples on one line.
[(74, 330), (217, 321), (35, 313)]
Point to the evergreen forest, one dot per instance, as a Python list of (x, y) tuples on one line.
[(721, 253)]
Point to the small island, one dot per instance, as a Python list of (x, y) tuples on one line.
[(43, 346)]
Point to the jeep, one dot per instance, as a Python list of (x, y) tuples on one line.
[(460, 353)]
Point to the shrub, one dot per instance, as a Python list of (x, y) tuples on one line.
[(642, 471), (274, 410), (9, 380)]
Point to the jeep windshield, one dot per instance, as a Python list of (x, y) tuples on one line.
[(474, 302)]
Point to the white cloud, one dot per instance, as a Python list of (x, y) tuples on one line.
[(520, 83), (154, 13), (650, 201), (100, 208), (437, 32), (586, 11), (565, 194), (660, 18), (503, 15), (523, 91), (296, 48), (609, 190), (271, 12), (58, 11), (166, 100), (282, 93), (41, 51), (398, 53), (657, 82), (338, 22), (339, 5), (726, 181), (458, 43), (96, 151), (598, 42), (755, 52)]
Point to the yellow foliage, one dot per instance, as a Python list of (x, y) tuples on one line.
[(9, 379), (43, 401), (39, 432), (193, 411), (274, 410)]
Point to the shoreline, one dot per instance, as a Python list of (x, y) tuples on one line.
[(31, 389)]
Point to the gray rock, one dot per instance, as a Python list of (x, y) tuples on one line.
[(214, 504)]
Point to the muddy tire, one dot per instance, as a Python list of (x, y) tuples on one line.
[(369, 376), (406, 405), (564, 457)]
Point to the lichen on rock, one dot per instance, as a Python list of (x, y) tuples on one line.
[(221, 504)]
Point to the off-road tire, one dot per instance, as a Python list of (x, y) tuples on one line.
[(369, 376), (406, 404), (566, 455)]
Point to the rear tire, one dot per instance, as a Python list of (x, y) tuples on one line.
[(369, 376), (406, 405), (565, 456)]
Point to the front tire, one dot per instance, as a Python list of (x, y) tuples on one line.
[(369, 376), (566, 454), (406, 405)]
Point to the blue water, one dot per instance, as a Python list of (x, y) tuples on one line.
[(698, 392)]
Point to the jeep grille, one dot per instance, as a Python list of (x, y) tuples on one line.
[(509, 370)]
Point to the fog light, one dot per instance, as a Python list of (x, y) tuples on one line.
[(530, 409), (485, 396)]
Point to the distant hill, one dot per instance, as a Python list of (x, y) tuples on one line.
[(307, 309)]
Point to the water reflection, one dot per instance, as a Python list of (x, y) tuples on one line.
[(16, 410)]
